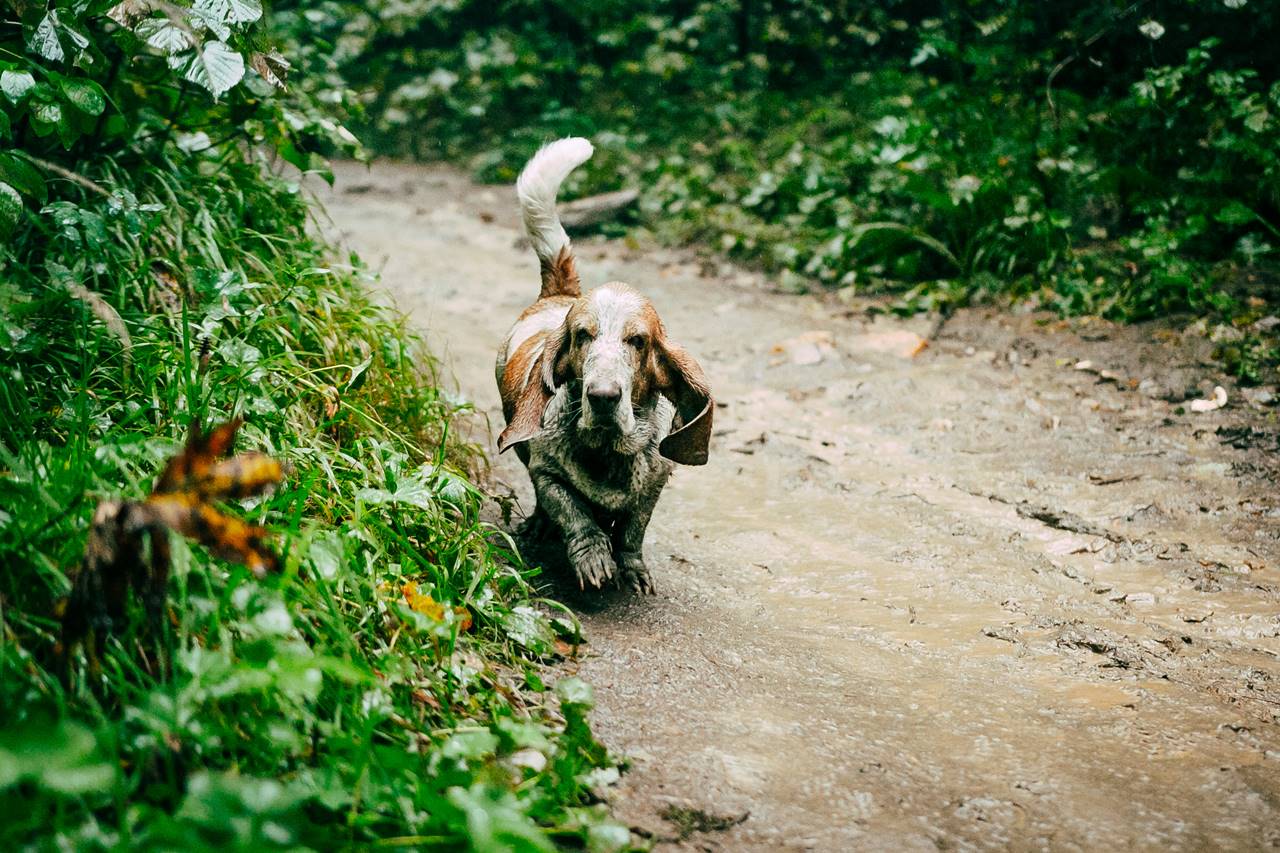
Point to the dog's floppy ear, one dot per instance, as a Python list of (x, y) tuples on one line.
[(547, 374), (681, 379)]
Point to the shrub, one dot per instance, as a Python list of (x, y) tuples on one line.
[(1108, 159)]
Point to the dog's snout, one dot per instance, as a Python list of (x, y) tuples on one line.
[(604, 395)]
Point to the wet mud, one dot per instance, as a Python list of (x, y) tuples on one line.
[(940, 587)]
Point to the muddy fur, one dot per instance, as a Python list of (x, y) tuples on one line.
[(600, 488), (600, 405)]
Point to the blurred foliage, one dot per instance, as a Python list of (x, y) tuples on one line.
[(156, 271), (1102, 157)]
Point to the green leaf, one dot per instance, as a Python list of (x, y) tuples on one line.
[(326, 554), (164, 35), (409, 490), (20, 174), (10, 209), (216, 66), (495, 821), (230, 11), (1235, 213), (46, 118), (358, 375), (86, 95), (5, 130), (858, 231), (16, 84), (44, 39), (470, 745), (575, 691), (529, 628)]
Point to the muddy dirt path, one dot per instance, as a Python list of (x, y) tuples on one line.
[(970, 598)]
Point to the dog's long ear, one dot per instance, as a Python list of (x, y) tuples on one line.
[(681, 379), (547, 374)]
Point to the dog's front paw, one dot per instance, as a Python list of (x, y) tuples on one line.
[(592, 560), (634, 574)]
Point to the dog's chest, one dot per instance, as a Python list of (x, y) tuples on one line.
[(607, 478), (615, 480)]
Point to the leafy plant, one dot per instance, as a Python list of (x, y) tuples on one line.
[(158, 275), (1098, 158)]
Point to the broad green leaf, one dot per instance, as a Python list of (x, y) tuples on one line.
[(1235, 213), (5, 130), (231, 11), (529, 628), (409, 490), (10, 209), (44, 39), (202, 20), (164, 35), (326, 554), (216, 66), (86, 95), (46, 117), (78, 39), (16, 84)]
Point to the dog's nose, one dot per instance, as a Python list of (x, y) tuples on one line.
[(604, 395)]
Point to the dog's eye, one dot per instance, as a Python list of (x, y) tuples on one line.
[(583, 336), (636, 341)]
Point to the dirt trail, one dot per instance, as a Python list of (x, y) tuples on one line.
[(968, 599)]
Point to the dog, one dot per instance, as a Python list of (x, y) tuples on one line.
[(599, 403)]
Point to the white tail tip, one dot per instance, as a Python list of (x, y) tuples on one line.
[(537, 187)]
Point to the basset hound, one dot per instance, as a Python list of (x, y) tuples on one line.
[(599, 403)]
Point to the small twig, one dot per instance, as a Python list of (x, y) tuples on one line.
[(74, 177), (1057, 519)]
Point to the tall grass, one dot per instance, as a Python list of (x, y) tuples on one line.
[(385, 688)]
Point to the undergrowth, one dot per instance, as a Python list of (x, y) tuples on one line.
[(1091, 158), (386, 686)]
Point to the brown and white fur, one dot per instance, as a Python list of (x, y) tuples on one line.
[(599, 403)]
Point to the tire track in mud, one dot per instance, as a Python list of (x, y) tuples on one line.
[(853, 643)]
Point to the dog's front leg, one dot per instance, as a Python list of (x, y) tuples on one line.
[(588, 547), (632, 570)]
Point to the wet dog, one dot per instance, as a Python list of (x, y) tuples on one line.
[(600, 405)]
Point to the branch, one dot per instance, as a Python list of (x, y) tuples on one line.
[(64, 172)]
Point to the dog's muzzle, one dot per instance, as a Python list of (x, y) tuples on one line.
[(603, 398), (606, 407)]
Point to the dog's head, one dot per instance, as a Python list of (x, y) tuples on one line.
[(614, 355)]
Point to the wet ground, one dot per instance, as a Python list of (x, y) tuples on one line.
[(937, 588)]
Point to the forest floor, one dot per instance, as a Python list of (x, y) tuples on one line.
[(937, 588)]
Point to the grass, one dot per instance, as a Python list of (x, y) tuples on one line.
[(386, 687)]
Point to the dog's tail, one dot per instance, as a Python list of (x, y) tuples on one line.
[(536, 188)]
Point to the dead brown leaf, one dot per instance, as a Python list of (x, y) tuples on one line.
[(116, 562)]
